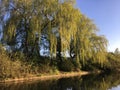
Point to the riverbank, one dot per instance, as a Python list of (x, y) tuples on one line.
[(46, 76)]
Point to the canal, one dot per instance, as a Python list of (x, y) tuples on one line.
[(87, 82)]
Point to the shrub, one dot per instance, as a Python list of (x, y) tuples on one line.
[(77, 65), (13, 67), (66, 65)]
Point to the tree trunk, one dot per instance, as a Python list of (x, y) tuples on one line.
[(58, 53)]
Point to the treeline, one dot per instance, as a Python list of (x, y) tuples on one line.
[(50, 34)]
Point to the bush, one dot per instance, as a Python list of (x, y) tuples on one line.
[(13, 67), (113, 62), (77, 65), (8, 68), (66, 65)]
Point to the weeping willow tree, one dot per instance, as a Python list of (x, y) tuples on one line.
[(87, 45), (63, 25), (28, 19), (67, 17)]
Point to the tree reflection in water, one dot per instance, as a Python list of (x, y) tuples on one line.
[(89, 82)]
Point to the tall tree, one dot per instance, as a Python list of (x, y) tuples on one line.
[(87, 44), (28, 19), (60, 23)]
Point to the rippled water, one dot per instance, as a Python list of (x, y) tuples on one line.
[(89, 82)]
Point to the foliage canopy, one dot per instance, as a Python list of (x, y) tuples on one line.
[(66, 30)]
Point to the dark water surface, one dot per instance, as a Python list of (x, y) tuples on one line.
[(88, 82)]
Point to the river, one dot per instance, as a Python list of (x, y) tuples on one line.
[(88, 82)]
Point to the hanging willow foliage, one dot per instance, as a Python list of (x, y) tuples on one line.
[(66, 29), (68, 17), (87, 44)]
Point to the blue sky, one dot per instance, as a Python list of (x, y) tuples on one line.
[(106, 15)]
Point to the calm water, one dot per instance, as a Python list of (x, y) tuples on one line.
[(89, 82)]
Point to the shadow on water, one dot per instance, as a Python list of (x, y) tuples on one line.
[(88, 82)]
